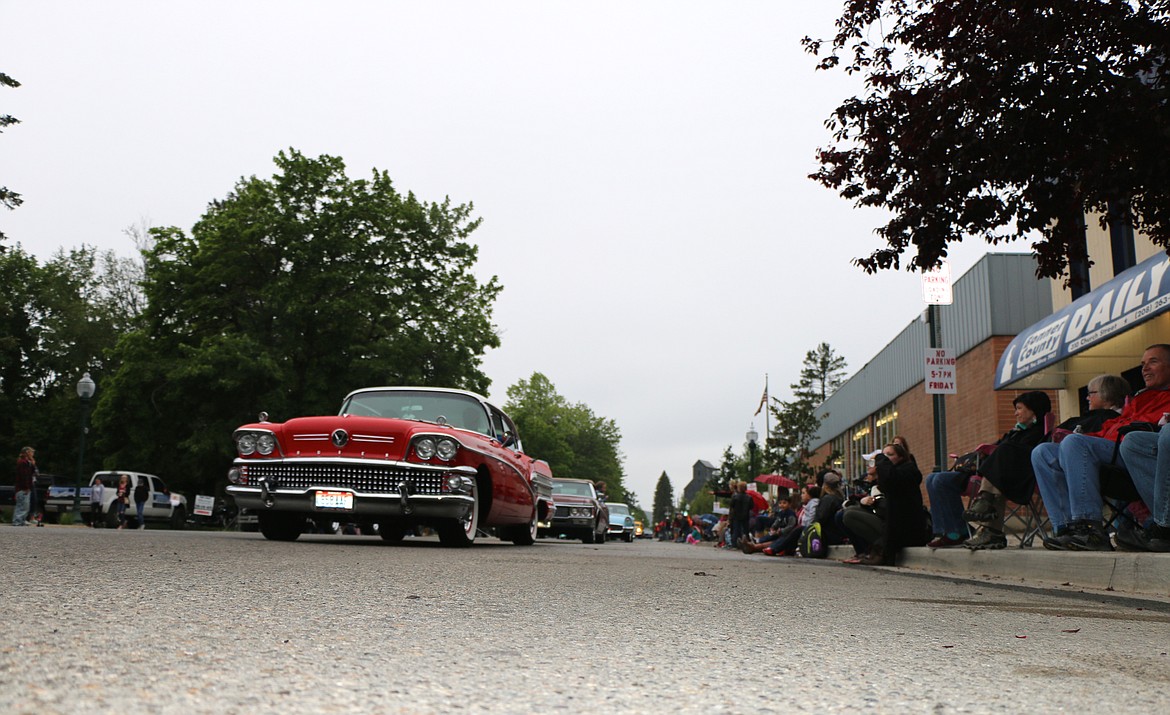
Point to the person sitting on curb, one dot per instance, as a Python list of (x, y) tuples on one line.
[(904, 522), (1068, 473), (861, 528), (782, 535), (828, 512), (1007, 474), (810, 498), (1146, 456)]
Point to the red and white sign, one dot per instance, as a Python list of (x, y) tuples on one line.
[(204, 505), (936, 285), (940, 371)]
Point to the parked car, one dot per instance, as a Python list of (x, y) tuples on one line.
[(45, 483), (580, 513), (395, 457), (621, 523)]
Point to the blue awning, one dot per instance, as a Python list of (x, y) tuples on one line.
[(1130, 298)]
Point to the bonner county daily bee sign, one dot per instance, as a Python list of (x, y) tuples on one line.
[(940, 371)]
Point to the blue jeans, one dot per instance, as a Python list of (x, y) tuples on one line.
[(1147, 459), (946, 502), (1068, 475), (20, 511)]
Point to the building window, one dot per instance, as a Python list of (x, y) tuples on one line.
[(885, 424)]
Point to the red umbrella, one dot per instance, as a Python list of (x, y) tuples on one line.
[(761, 502), (778, 480)]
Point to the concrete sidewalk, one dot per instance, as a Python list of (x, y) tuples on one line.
[(1122, 572)]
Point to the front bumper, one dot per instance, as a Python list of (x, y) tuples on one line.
[(619, 529), (570, 526), (375, 489)]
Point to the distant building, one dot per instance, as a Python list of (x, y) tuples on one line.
[(701, 473)]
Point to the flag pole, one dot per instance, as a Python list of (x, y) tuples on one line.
[(767, 421)]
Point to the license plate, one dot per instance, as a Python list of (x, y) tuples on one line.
[(342, 501)]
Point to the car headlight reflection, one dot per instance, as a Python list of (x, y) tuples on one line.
[(265, 444), (446, 449), (425, 448), (246, 443)]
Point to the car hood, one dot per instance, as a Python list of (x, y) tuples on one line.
[(572, 499)]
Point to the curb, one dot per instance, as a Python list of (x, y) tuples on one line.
[(1136, 573)]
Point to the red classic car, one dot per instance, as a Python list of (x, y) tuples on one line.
[(396, 457)]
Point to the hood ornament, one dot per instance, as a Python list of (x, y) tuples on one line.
[(339, 438)]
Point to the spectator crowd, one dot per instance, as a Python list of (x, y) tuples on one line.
[(1054, 474)]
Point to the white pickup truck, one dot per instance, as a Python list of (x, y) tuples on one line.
[(161, 505)]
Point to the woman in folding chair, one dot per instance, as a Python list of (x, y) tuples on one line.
[(1007, 471)]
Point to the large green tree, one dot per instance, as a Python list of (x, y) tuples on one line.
[(288, 293), (1001, 120), (8, 198), (663, 498), (57, 321), (576, 443), (798, 419)]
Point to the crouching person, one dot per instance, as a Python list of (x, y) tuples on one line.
[(902, 521)]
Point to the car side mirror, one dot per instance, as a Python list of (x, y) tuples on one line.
[(509, 439)]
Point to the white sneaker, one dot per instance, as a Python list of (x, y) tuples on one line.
[(141, 526)]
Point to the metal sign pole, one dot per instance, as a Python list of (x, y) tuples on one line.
[(940, 405)]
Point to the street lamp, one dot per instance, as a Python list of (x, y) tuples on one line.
[(85, 388), (752, 436)]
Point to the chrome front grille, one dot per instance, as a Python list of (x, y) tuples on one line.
[(359, 477)]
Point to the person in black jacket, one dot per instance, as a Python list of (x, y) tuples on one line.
[(1007, 472), (903, 520), (829, 508), (1107, 395), (740, 511)]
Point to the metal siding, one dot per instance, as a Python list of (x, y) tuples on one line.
[(999, 295)]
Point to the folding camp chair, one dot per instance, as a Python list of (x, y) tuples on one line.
[(1032, 517)]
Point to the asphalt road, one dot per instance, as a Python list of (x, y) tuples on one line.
[(211, 622)]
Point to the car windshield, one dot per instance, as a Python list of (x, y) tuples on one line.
[(573, 489), (458, 410), (619, 510)]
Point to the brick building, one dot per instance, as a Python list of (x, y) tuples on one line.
[(1011, 333)]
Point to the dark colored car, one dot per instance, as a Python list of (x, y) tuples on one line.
[(580, 513)]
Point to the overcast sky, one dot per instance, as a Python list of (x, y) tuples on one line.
[(640, 169)]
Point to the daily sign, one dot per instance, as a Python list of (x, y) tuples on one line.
[(1132, 297)]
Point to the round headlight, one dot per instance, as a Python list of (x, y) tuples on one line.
[(425, 448), (447, 449), (246, 443), (234, 476), (265, 443)]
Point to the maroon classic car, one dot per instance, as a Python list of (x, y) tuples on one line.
[(396, 457), (580, 512)]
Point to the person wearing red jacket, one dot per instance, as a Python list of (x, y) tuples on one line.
[(26, 473), (1068, 473)]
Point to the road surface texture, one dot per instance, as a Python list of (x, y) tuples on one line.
[(220, 622)]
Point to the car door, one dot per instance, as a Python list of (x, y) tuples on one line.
[(159, 504)]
